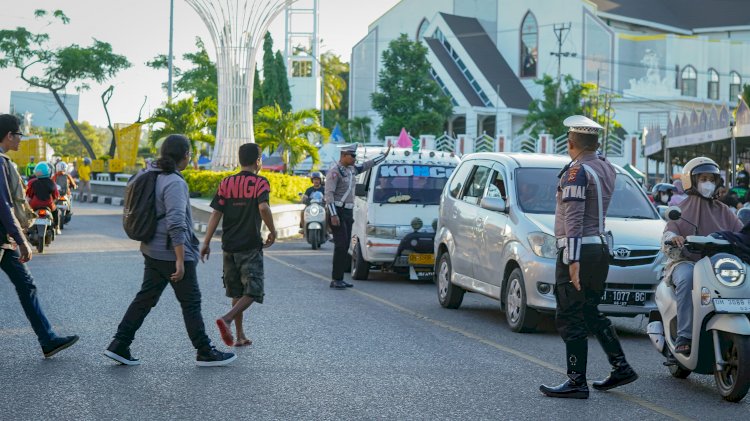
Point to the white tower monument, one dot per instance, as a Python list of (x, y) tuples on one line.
[(237, 28)]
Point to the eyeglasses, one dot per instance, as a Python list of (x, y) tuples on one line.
[(19, 134)]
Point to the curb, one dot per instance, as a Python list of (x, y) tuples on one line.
[(106, 200)]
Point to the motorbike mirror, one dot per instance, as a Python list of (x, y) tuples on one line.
[(674, 213)]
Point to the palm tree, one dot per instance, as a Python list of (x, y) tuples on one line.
[(288, 133), (360, 126), (196, 120), (333, 84)]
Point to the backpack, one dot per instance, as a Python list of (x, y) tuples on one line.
[(139, 210), (62, 187)]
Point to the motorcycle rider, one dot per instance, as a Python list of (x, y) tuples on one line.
[(317, 180), (42, 192), (663, 193), (702, 214), (741, 185), (65, 183)]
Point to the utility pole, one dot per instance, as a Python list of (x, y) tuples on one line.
[(169, 59), (559, 30)]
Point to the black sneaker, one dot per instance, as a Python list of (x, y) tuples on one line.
[(58, 344), (211, 357), (121, 354), (347, 284), (338, 285)]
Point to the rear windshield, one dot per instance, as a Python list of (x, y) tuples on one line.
[(409, 183), (536, 189)]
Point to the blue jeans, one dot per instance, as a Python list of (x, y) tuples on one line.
[(23, 281), (156, 275), (682, 278)]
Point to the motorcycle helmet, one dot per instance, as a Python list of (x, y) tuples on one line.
[(61, 167), (743, 178), (695, 167), (42, 170), (744, 215), (87, 161), (316, 174)]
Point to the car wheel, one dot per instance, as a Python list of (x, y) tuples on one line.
[(449, 295), (519, 316), (360, 267)]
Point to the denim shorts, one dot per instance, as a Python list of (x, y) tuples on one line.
[(243, 274)]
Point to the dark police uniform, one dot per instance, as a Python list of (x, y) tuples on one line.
[(583, 196), (339, 199)]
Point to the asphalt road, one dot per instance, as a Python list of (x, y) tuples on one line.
[(383, 349)]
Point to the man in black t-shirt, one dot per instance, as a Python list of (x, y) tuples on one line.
[(242, 200)]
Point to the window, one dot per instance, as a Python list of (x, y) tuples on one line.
[(476, 184), (735, 86), (302, 68), (713, 84), (689, 81), (410, 183), (459, 179), (529, 43), (497, 186)]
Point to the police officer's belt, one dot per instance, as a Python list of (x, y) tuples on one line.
[(344, 205), (592, 239)]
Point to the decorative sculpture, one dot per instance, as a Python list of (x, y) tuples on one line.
[(237, 28)]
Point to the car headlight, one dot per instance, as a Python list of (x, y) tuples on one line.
[(729, 271), (543, 245), (382, 231)]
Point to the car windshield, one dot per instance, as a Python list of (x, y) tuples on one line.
[(410, 183), (536, 189)]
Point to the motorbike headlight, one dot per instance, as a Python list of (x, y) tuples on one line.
[(729, 271), (543, 245), (382, 231), (314, 211)]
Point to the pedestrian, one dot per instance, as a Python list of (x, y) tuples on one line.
[(583, 196), (170, 258), (339, 200), (84, 176), (242, 202), (15, 251)]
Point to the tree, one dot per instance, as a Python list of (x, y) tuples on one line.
[(196, 120), (57, 70), (289, 132), (334, 84), (270, 82), (746, 94), (199, 81), (257, 92), (359, 128), (408, 96), (67, 143), (284, 98)]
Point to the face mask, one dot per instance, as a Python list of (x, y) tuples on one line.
[(664, 198), (706, 189)]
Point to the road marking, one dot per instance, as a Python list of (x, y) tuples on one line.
[(630, 398)]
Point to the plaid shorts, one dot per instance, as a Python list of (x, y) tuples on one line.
[(243, 274)]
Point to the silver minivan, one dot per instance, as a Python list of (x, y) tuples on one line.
[(495, 236)]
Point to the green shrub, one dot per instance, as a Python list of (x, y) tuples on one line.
[(284, 188)]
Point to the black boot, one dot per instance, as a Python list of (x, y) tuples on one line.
[(575, 387), (622, 373)]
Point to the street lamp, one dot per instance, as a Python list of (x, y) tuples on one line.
[(643, 148)]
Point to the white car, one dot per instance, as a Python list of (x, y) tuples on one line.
[(495, 236), (396, 210)]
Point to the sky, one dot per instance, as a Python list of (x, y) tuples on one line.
[(139, 30)]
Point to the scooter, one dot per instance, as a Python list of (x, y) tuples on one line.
[(41, 233), (721, 323), (65, 211), (315, 221)]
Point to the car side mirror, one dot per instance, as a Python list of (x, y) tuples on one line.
[(360, 190), (674, 213), (496, 204)]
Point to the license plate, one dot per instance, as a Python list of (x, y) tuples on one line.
[(732, 305), (425, 275), (624, 298), (421, 259), (43, 222), (62, 207)]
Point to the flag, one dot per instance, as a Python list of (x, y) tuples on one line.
[(404, 141), (337, 136)]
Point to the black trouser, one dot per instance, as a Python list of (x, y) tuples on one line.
[(577, 313), (155, 278), (342, 237)]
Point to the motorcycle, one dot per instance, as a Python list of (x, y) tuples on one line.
[(315, 221), (721, 317), (65, 211), (41, 233)]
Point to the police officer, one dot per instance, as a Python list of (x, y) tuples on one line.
[(583, 196), (339, 198)]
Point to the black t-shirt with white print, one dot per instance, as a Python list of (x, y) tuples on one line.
[(238, 199)]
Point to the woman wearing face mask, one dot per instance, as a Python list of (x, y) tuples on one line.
[(663, 193), (700, 179)]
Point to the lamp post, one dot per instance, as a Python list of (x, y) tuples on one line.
[(733, 144), (645, 157)]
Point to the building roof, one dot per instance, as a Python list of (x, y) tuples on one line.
[(685, 14), (484, 53), (454, 72)]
